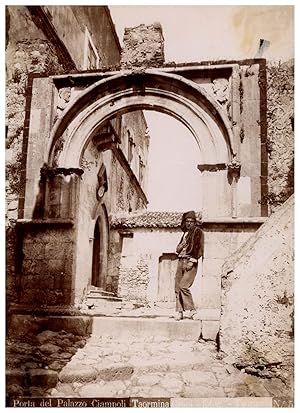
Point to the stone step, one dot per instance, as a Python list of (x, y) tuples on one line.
[(134, 320), (98, 291), (102, 306), (105, 359), (99, 296), (101, 372), (165, 304), (127, 309), (103, 303), (125, 327)]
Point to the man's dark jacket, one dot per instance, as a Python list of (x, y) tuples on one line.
[(195, 242)]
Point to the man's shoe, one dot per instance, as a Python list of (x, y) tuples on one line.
[(178, 316), (194, 315)]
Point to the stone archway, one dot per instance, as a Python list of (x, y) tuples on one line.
[(75, 132), (153, 90), (97, 98)]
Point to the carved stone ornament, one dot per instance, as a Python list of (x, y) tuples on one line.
[(220, 89), (234, 167), (50, 172), (101, 192), (64, 96), (102, 182)]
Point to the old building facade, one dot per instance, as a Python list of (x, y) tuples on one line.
[(84, 169), (77, 147), (51, 40)]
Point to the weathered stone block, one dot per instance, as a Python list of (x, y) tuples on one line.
[(33, 266), (15, 377), (49, 348), (34, 249), (46, 281), (212, 266), (143, 46), (78, 372), (210, 329), (262, 278), (55, 249), (56, 266), (44, 378), (21, 325), (244, 191), (217, 245), (210, 292), (29, 281), (76, 325), (193, 377)]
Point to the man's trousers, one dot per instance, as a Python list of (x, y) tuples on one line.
[(183, 281)]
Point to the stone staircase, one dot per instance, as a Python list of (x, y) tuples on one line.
[(104, 306), (114, 348), (102, 300)]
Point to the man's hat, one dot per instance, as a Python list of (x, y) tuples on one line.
[(189, 214)]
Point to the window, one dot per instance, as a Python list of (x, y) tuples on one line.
[(130, 144), (141, 170), (91, 56)]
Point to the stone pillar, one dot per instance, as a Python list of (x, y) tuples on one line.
[(234, 169), (61, 192), (143, 47)]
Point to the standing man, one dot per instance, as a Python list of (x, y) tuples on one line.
[(189, 250)]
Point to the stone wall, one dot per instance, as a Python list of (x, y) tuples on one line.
[(31, 48), (258, 296), (25, 55), (121, 195), (239, 87), (11, 259), (45, 281), (125, 198), (43, 40), (138, 271), (280, 114), (71, 22), (134, 127), (143, 47)]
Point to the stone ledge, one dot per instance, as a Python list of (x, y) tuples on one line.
[(49, 221), (238, 220), (34, 377), (143, 327), (21, 325)]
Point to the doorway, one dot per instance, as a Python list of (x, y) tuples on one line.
[(99, 262)]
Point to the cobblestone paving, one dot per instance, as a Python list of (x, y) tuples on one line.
[(157, 368), (64, 365)]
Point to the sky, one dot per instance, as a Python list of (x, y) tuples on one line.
[(198, 32), (191, 34)]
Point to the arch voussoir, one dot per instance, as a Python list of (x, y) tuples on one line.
[(150, 90)]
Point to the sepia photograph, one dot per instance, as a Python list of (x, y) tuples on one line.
[(149, 205)]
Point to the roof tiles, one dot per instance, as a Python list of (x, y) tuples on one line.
[(148, 219)]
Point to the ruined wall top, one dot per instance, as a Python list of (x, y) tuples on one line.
[(143, 47)]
